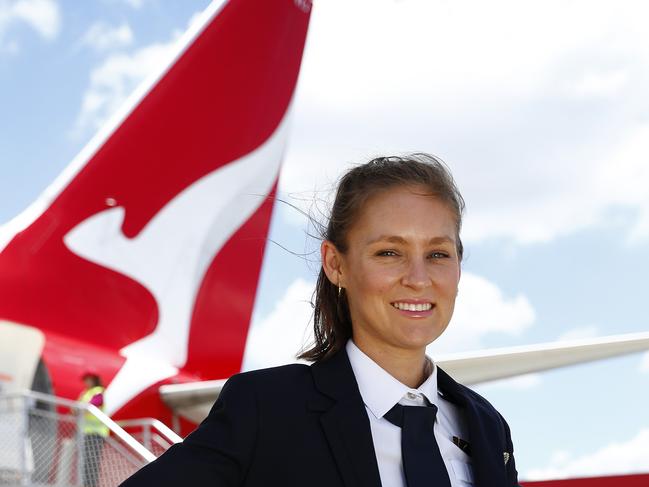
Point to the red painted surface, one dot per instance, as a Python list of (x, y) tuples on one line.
[(617, 481), (222, 99)]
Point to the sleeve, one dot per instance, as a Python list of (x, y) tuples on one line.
[(218, 453), (512, 474)]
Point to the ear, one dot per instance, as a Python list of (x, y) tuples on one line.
[(331, 262)]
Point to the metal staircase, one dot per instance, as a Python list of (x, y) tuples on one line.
[(42, 443)]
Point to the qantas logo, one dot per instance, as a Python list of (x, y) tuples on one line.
[(144, 256), (170, 256)]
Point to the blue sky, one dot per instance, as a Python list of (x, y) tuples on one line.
[(540, 109)]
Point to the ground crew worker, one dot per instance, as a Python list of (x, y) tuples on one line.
[(94, 431)]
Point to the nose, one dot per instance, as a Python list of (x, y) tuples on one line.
[(416, 274)]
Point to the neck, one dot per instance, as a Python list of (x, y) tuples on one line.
[(410, 367)]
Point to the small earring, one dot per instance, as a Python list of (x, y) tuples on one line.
[(339, 289)]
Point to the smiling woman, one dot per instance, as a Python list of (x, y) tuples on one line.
[(393, 223), (400, 275), (372, 409)]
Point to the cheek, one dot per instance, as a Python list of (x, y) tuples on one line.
[(378, 282), (447, 283), (372, 283)]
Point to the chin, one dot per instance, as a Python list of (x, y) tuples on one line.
[(417, 342), (422, 336)]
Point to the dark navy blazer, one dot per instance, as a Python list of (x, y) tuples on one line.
[(300, 425)]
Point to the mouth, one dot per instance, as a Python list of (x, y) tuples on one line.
[(413, 307)]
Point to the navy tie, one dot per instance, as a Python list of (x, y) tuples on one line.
[(422, 462)]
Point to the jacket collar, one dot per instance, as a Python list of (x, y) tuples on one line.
[(345, 422), (379, 390), (485, 430), (347, 427)]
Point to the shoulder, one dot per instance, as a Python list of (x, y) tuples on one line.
[(481, 406), (479, 401), (283, 379), (487, 408), (248, 397), (272, 374), (245, 395)]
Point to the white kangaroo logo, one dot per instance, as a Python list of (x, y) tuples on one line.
[(171, 255)]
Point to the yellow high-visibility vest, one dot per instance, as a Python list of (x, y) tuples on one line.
[(91, 425)]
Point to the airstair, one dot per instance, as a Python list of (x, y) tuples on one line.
[(42, 443)]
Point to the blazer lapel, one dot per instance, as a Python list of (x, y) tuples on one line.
[(485, 433), (345, 422)]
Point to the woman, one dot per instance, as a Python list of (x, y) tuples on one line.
[(372, 409)]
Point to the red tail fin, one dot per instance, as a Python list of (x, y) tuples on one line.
[(152, 241)]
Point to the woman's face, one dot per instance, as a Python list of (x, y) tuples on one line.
[(401, 270)]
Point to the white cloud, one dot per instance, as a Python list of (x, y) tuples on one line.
[(546, 136), (616, 458), (101, 36), (114, 80), (41, 15), (599, 84), (135, 4), (277, 338), (482, 309), (625, 179)]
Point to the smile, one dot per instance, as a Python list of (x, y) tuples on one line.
[(412, 306)]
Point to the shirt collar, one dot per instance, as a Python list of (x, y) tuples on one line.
[(379, 390)]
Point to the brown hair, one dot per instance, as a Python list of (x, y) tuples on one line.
[(332, 325), (94, 378)]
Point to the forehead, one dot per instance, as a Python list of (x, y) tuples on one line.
[(409, 212)]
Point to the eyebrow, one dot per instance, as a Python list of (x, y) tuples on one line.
[(400, 240)]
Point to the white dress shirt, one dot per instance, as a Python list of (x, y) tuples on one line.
[(380, 392)]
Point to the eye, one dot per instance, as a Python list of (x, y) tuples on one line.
[(386, 253), (438, 255)]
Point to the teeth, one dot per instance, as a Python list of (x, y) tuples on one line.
[(413, 307)]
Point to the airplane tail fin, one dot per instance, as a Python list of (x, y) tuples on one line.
[(152, 240)]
